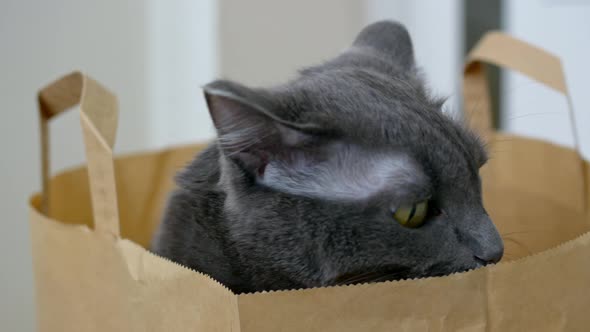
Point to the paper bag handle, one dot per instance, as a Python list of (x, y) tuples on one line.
[(98, 118), (504, 51)]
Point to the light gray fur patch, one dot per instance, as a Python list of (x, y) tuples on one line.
[(347, 172)]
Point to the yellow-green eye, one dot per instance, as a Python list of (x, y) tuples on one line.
[(411, 215)]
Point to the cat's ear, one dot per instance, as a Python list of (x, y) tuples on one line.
[(389, 38), (248, 131)]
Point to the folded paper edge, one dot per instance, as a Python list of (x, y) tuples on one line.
[(119, 243)]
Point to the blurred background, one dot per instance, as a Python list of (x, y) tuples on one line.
[(156, 54)]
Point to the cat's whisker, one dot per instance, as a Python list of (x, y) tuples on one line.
[(372, 277), (356, 278), (525, 232), (520, 116), (477, 107), (496, 140), (387, 277)]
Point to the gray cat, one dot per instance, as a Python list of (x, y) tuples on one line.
[(349, 173)]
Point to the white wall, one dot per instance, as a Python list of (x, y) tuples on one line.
[(265, 42), (562, 27), (154, 57), (182, 57)]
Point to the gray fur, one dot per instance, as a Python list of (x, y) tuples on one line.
[(347, 172), (272, 203)]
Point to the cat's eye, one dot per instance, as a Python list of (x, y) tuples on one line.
[(412, 215)]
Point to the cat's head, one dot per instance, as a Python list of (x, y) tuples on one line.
[(351, 172)]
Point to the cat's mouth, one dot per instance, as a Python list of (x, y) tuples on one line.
[(390, 274), (371, 276)]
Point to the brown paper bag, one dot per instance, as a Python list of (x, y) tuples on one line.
[(90, 229)]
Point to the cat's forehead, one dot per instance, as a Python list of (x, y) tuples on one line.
[(384, 110), (352, 87), (355, 96)]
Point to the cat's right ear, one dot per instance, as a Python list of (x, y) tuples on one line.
[(390, 39), (247, 129)]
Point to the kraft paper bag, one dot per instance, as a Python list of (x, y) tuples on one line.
[(91, 226)]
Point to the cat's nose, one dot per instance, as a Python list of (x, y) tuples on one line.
[(490, 256), (485, 242)]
